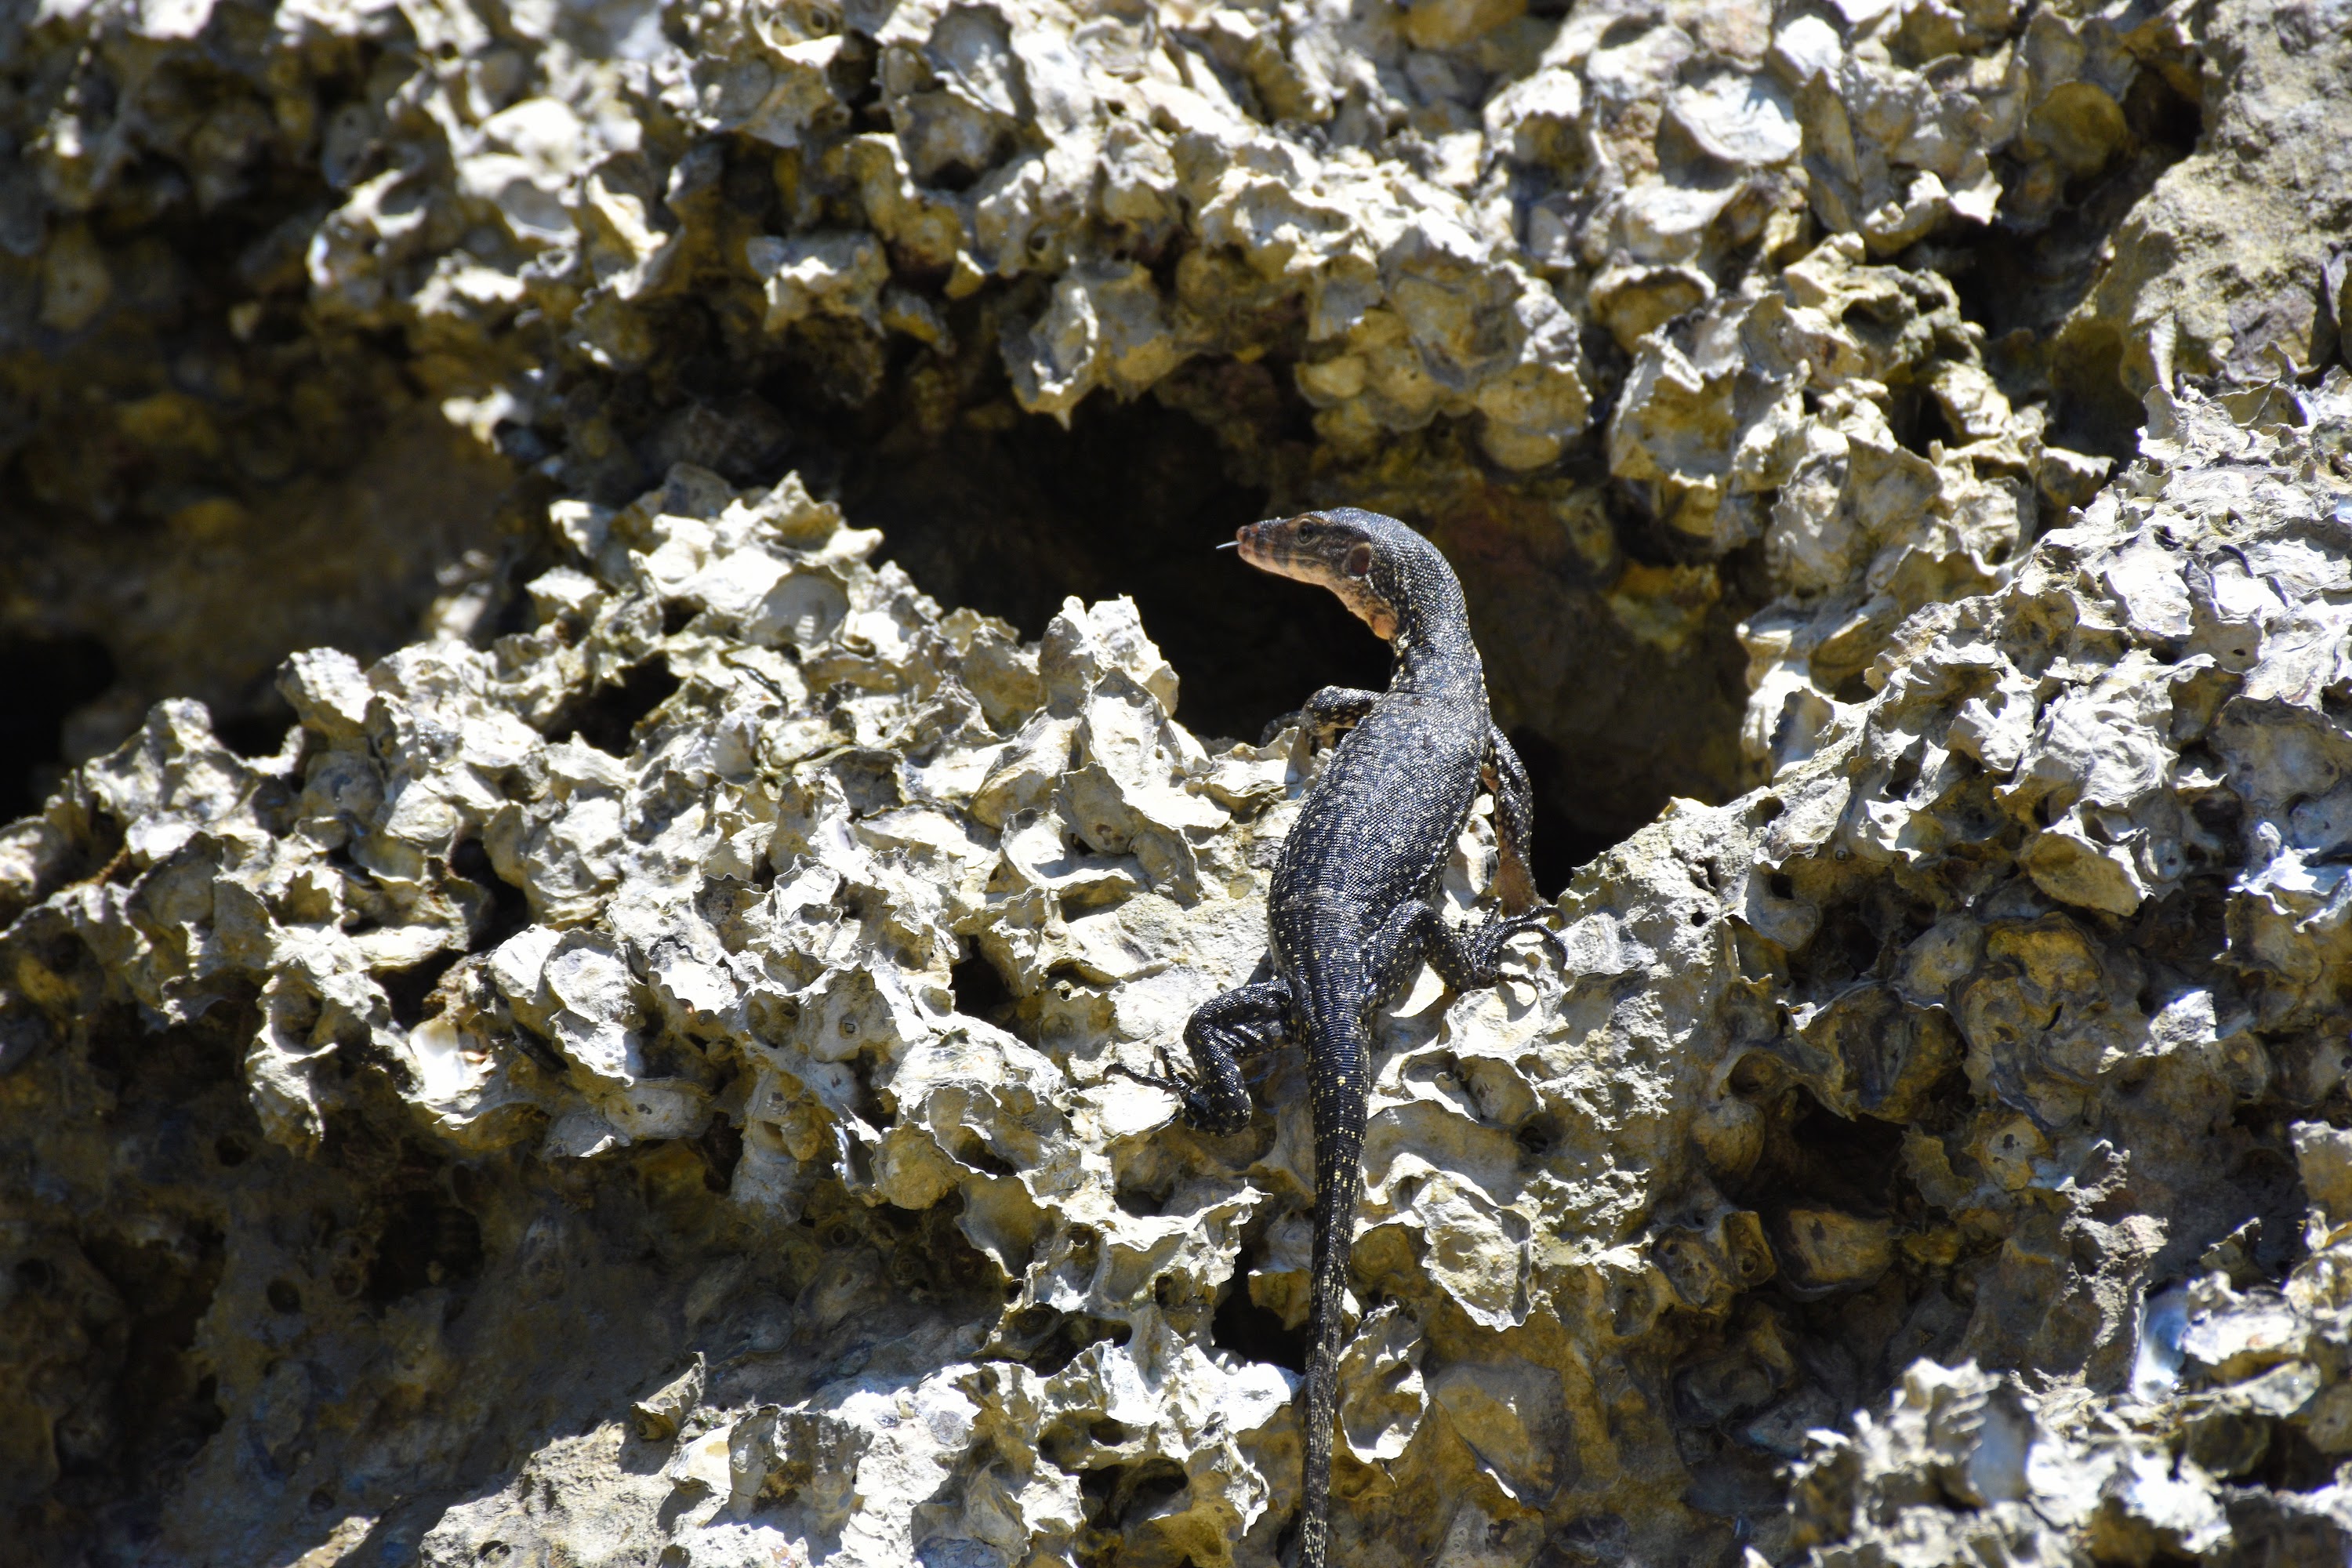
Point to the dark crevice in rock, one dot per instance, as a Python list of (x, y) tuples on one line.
[(509, 907), (1851, 1163), (981, 992), (2020, 286), (608, 716), (258, 729), (1563, 842), (164, 1404), (1047, 1341), (1918, 422), (1256, 1334), (1113, 1493), (720, 1148), (42, 680), (409, 989), (421, 1239)]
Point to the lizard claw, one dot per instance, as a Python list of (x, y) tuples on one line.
[(1552, 938), (1191, 1107), (1491, 942), (1149, 1079)]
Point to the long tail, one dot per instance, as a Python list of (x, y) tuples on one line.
[(1338, 1059)]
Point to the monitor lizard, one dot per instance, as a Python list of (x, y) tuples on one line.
[(1350, 911)]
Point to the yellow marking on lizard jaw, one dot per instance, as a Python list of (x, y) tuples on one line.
[(1273, 547)]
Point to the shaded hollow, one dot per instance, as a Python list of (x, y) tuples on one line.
[(1130, 500), (2022, 286), (42, 680), (187, 501), (1009, 514)]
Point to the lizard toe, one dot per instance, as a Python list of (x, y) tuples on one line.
[(1186, 1095), (1488, 947), (1552, 938)]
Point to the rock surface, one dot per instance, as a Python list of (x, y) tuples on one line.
[(724, 979), (628, 1079), (377, 263)]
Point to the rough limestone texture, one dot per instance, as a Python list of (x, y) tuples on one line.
[(2236, 259), (643, 1091), (1606, 295), (2239, 1380)]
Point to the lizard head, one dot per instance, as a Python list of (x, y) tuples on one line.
[(1361, 556)]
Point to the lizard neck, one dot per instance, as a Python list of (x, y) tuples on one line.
[(1432, 648)]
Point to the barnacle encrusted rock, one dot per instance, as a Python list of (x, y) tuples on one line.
[(744, 954), (2236, 1383), (2233, 260), (1766, 415)]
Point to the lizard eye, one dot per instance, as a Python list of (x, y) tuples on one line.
[(1360, 562)]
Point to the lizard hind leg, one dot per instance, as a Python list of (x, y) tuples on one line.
[(1395, 953), (1331, 710), (1223, 1033)]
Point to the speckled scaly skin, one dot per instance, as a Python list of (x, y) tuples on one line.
[(1350, 911)]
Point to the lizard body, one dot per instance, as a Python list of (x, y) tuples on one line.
[(1351, 913)]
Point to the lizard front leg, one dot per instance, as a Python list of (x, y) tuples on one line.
[(1415, 932), (1467, 960), (1325, 714), (1505, 778), (1223, 1033)]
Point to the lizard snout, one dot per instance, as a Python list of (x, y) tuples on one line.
[(1261, 545)]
